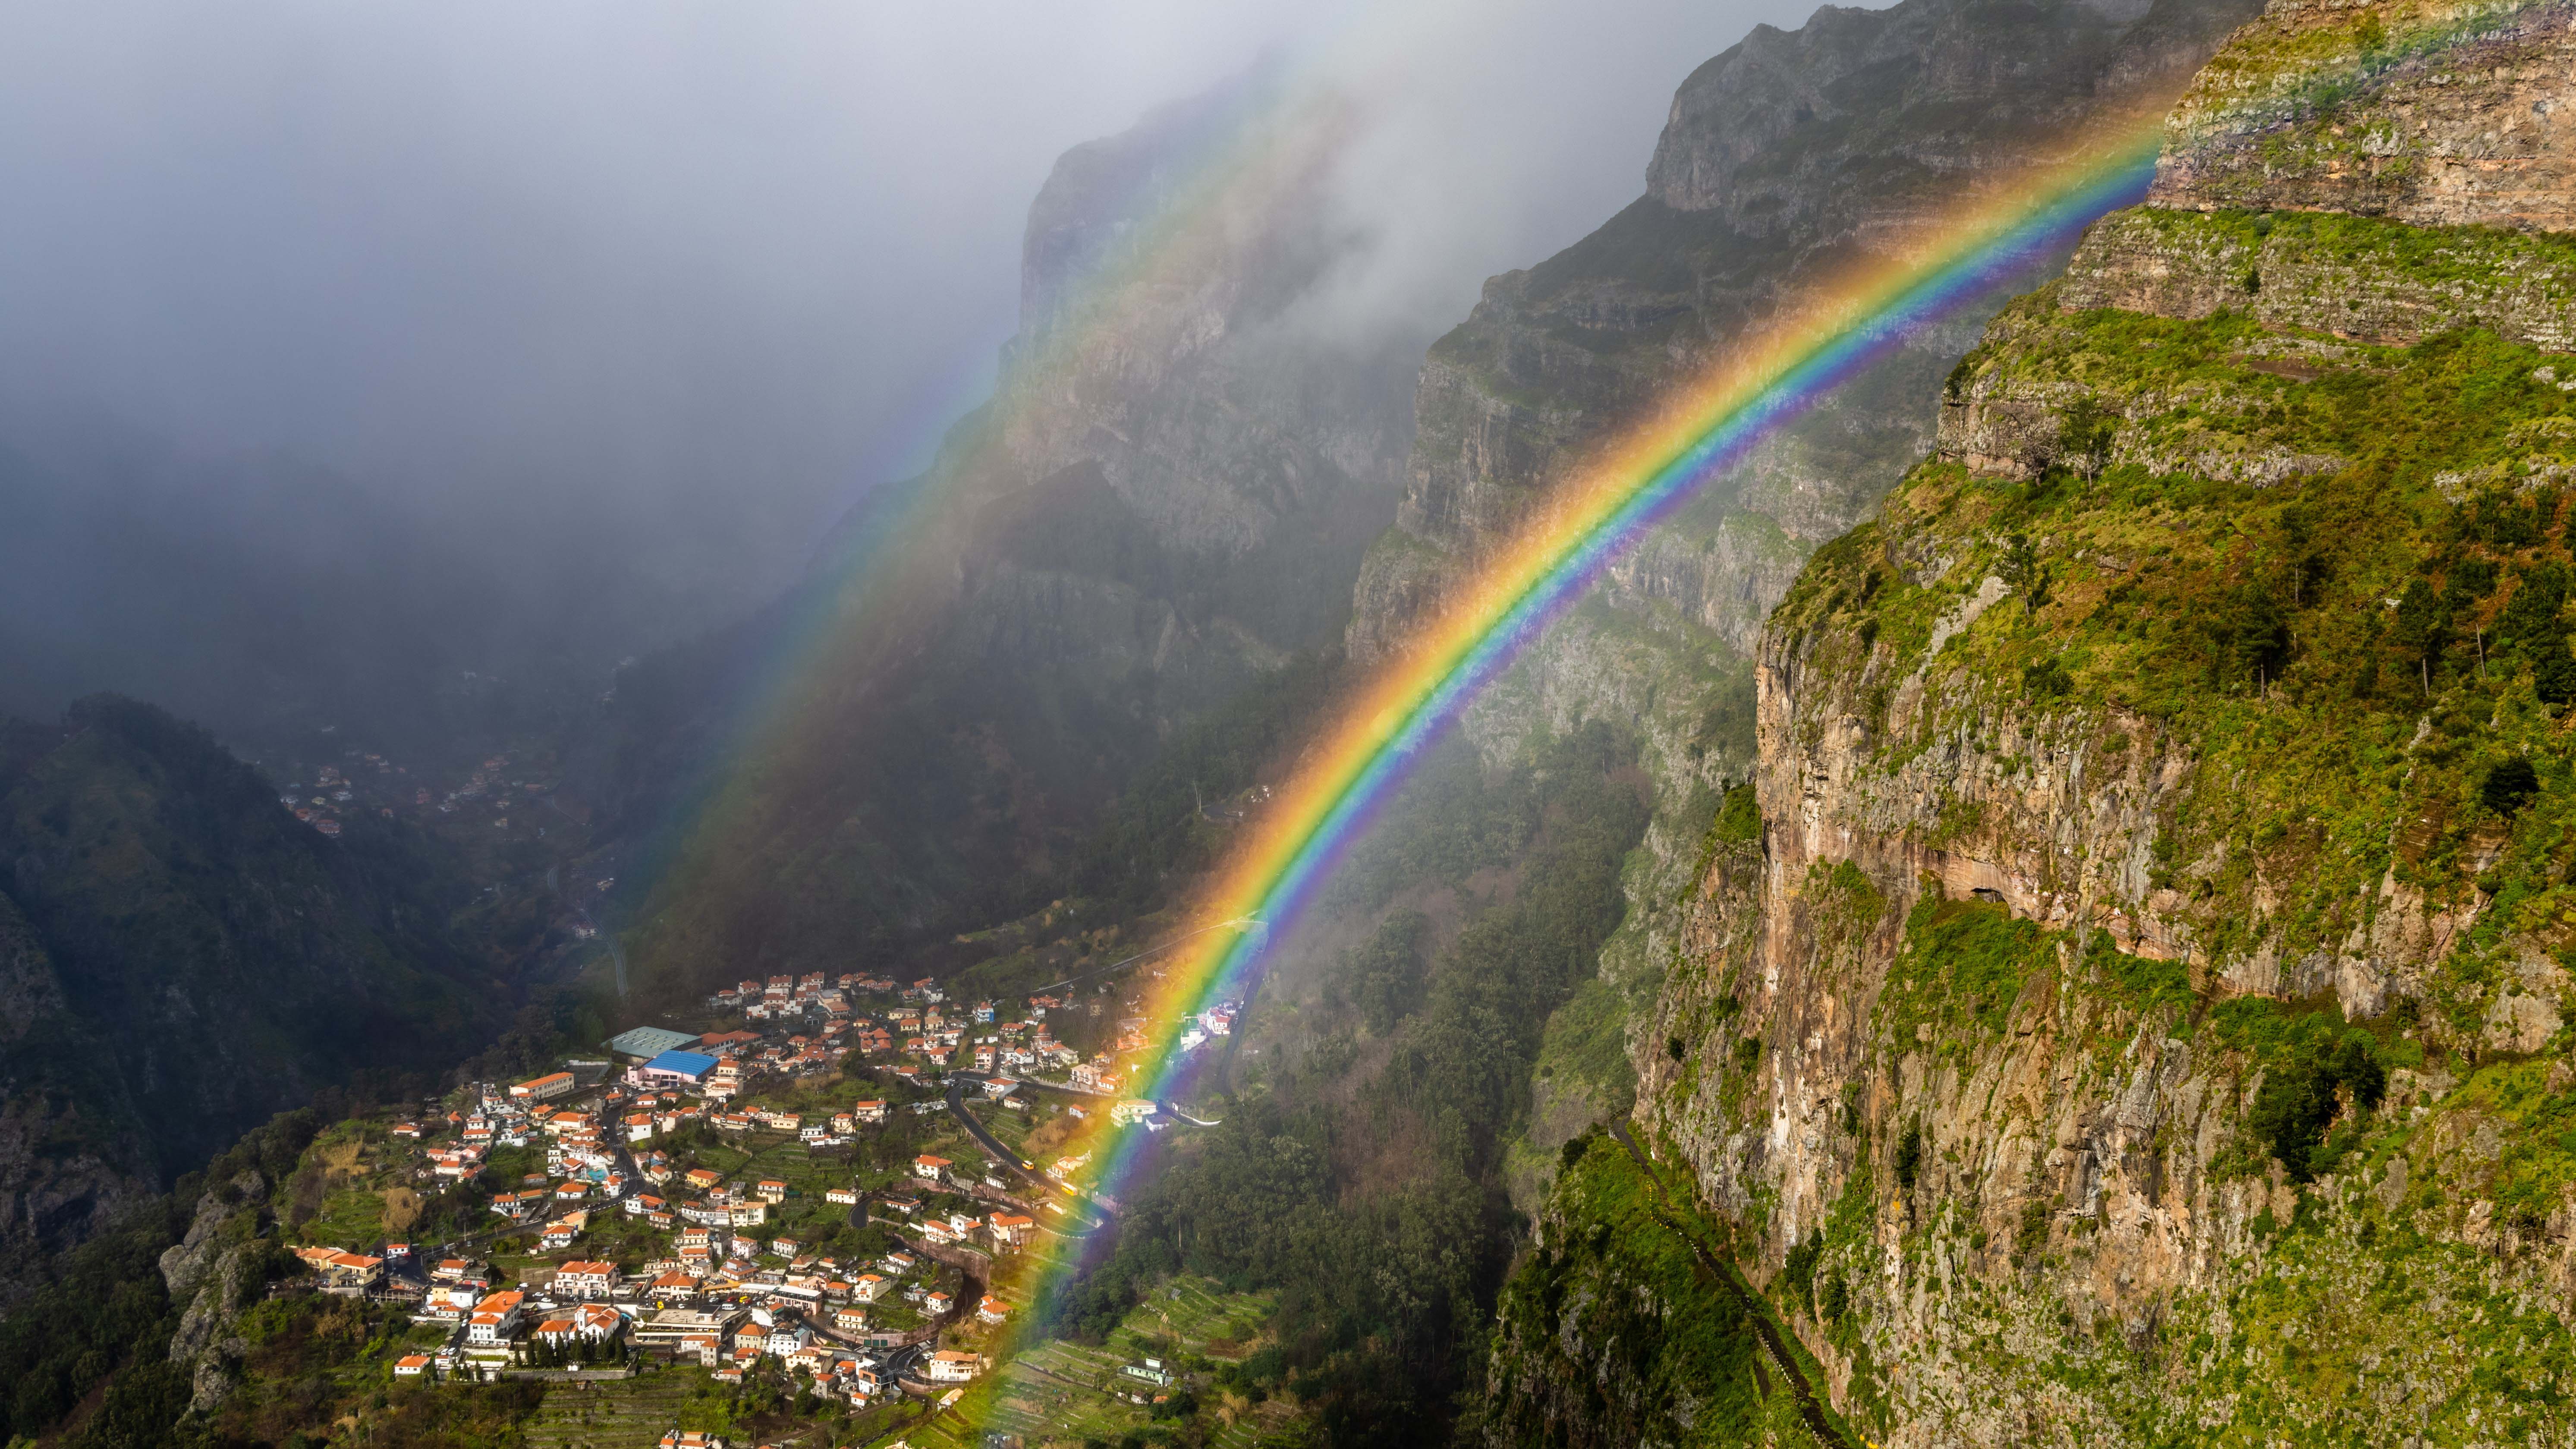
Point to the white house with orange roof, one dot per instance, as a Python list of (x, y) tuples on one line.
[(543, 1089), (495, 1320), (585, 1278)]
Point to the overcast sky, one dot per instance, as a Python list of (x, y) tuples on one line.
[(722, 265)]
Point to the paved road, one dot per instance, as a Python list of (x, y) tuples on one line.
[(989, 1142), (1052, 1190), (1063, 1089)]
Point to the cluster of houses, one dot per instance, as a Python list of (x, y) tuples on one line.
[(321, 811), (717, 1294), (924, 1028), (810, 1319), (487, 783), (335, 792), (754, 1300), (497, 1327)]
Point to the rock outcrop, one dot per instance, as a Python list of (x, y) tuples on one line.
[(214, 1269), (67, 1165), (1166, 499), (1785, 160)]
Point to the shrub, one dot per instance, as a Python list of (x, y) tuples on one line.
[(2300, 1097), (1833, 1298), (2045, 681), (2509, 786), (1909, 1156)]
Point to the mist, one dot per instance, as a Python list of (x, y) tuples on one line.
[(611, 308)]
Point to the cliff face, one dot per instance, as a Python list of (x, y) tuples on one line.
[(2127, 1005), (68, 1159), (1786, 159), (1162, 344), (2441, 115)]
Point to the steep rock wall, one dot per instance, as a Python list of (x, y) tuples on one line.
[(1167, 497), (1785, 159), (2139, 1011), (2434, 113)]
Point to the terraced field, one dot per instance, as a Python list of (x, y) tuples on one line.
[(1060, 1393), (618, 1414)]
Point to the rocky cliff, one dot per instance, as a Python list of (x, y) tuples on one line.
[(69, 1158), (1786, 158), (2126, 1005)]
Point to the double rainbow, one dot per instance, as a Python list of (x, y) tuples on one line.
[(1577, 532)]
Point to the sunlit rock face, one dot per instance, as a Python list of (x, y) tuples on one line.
[(2437, 114), (1785, 160), (2080, 1042)]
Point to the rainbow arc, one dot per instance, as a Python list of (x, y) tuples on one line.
[(1583, 526)]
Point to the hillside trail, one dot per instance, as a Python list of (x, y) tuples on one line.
[(1811, 1410)]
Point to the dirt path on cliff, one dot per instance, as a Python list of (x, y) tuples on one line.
[(1811, 1410)]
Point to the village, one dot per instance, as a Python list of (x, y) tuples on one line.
[(816, 1199)]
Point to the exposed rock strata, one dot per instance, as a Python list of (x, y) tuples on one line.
[(1783, 160), (2439, 114), (2042, 1204), (2094, 1234)]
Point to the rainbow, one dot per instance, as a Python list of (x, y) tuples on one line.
[(1588, 523)]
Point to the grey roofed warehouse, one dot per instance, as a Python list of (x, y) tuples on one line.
[(647, 1042)]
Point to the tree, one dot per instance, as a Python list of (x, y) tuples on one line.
[(2423, 626), (2085, 434), (2303, 1096), (1909, 1155), (2509, 785), (2025, 572)]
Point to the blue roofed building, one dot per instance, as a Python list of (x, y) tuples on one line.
[(673, 1069)]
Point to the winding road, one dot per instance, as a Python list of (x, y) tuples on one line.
[(1047, 1186)]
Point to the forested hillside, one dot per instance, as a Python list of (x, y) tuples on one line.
[(184, 959)]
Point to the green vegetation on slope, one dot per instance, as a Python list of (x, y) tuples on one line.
[(1614, 1331), (2369, 664), (221, 959), (1368, 1192)]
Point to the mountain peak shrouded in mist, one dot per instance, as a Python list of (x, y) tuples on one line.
[(1102, 197)]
